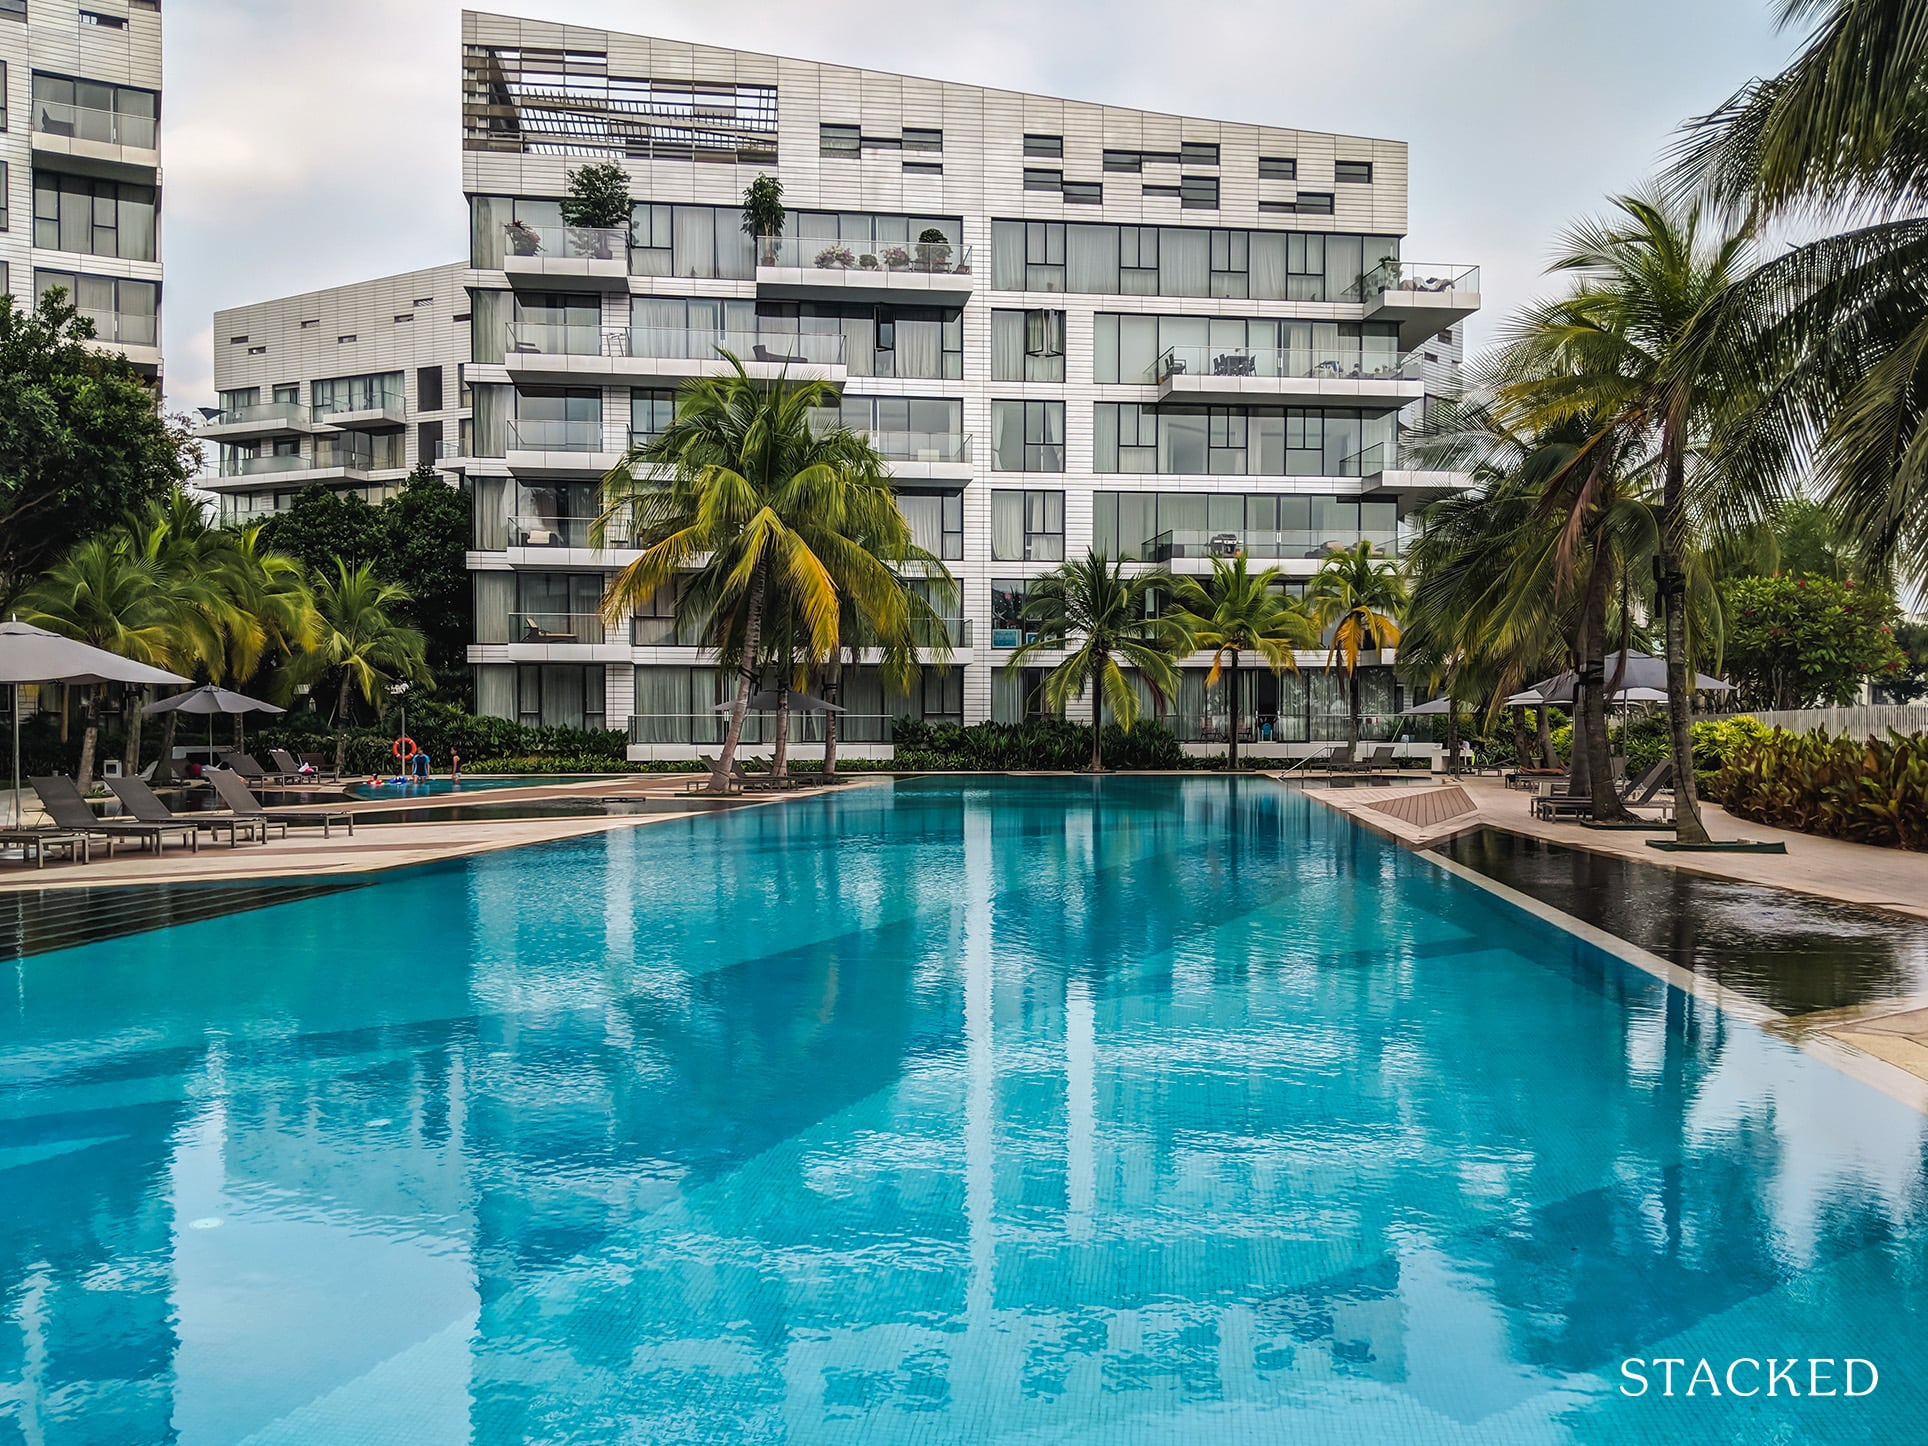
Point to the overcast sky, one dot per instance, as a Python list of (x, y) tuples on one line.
[(310, 145)]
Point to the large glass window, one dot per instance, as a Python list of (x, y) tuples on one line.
[(123, 311), (907, 429), (100, 218), (370, 392), (558, 607), (1027, 526), (936, 522), (93, 110), (557, 419), (1008, 625), (1027, 346), (1027, 436), (1182, 260), (1162, 526), (651, 410), (560, 695), (1248, 441), (555, 324)]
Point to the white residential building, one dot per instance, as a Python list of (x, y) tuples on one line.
[(80, 163), (1067, 325)]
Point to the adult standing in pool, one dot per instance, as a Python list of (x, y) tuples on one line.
[(455, 766)]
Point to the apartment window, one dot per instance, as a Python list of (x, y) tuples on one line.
[(1249, 441), (20, 14), (556, 695), (235, 398), (13, 10), (1043, 256), (936, 522), (917, 138), (92, 110), (841, 141), (1314, 203), (1043, 180), (1027, 526), (1231, 264), (1084, 193), (1027, 346), (98, 218), (1138, 260), (1123, 161), (402, 318), (1180, 260), (1027, 436), (122, 311), (428, 389), (1169, 193), (345, 338), (312, 321), (1124, 438), (105, 22), (424, 301), (257, 351), (1198, 193), (1278, 168), (369, 392), (1047, 148), (651, 410), (557, 419), (1197, 153), (1008, 623), (428, 442), (923, 168), (288, 392), (1355, 173), (6, 279), (5, 219)]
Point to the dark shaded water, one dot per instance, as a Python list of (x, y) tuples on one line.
[(1791, 952)]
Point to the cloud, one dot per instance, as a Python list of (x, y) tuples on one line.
[(313, 145)]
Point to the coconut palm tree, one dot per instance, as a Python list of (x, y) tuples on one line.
[(359, 637), (1357, 598), (1235, 612), (1094, 603), (750, 495), (1651, 349)]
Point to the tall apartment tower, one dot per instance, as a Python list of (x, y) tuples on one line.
[(1067, 326), (80, 163)]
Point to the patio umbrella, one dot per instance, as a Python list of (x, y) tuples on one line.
[(33, 655), (1640, 671), (1526, 699), (766, 702), (210, 700), (1438, 708)]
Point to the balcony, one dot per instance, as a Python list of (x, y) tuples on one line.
[(269, 465), (1389, 471), (1297, 545), (557, 448), (259, 419), (91, 141), (541, 257), (813, 267), (1235, 374), (557, 628), (371, 412), (1424, 298), (665, 355), (933, 456), (335, 458), (548, 543)]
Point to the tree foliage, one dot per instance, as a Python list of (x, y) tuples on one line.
[(1803, 642), (596, 195), (82, 441)]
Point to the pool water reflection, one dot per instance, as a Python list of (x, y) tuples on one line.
[(1044, 1111)]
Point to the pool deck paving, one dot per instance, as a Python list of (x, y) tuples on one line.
[(305, 853), (1423, 812)]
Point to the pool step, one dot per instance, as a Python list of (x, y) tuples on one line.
[(38, 921)]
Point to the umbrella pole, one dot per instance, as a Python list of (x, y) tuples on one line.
[(16, 755)]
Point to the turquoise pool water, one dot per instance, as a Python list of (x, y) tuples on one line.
[(1151, 1110), (444, 786)]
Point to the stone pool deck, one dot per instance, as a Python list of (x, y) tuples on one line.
[(1894, 1031), (304, 853)]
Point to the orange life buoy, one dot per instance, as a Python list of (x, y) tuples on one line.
[(404, 748)]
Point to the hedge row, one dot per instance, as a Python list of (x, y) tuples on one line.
[(1872, 791)]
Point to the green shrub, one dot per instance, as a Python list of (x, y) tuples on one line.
[(1040, 743), (1873, 791)]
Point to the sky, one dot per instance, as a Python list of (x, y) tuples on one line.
[(310, 145)]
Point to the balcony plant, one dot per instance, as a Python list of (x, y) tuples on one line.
[(835, 255), (596, 201), (867, 261), (764, 215), (896, 258), (523, 240), (933, 250)]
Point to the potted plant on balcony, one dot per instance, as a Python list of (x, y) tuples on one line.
[(896, 258), (523, 240), (836, 254), (596, 202), (933, 250), (763, 215), (867, 261)]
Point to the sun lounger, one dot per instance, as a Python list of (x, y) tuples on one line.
[(1554, 802), (1641, 793), (235, 794), (146, 806), (38, 840), (245, 765), (1381, 760), (289, 767), (324, 770), (738, 779), (69, 810)]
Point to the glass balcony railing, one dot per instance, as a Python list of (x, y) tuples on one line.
[(90, 123), (530, 434), (291, 414), (677, 344), (535, 530), (265, 465), (547, 627), (1297, 543), (354, 453), (816, 253), (387, 403), (1415, 276), (1280, 727), (526, 242), (922, 446), (540, 338), (1280, 362), (125, 328)]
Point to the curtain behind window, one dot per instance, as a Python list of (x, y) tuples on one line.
[(920, 349), (491, 513), (495, 690), (663, 705), (1007, 526), (1007, 697), (494, 601), (1184, 261), (1091, 258), (693, 243), (1267, 255), (926, 518), (487, 217), (1007, 255), (1007, 346)]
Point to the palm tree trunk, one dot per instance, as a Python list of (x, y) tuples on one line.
[(780, 759), (89, 736), (164, 765), (1688, 826), (832, 687), (1593, 701), (1548, 758), (1231, 739), (1521, 752), (1098, 714), (1452, 734), (131, 755), (746, 680), (1352, 720)]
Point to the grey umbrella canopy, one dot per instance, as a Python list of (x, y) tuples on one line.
[(33, 655), (766, 702), (1438, 708), (210, 700), (1640, 671)]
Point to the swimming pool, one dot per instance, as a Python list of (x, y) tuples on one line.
[(1147, 1110), (443, 787)]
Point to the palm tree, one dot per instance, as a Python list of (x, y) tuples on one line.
[(1239, 612), (105, 594), (360, 638), (748, 493), (1841, 135), (1095, 602), (1651, 349), (1357, 597)]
